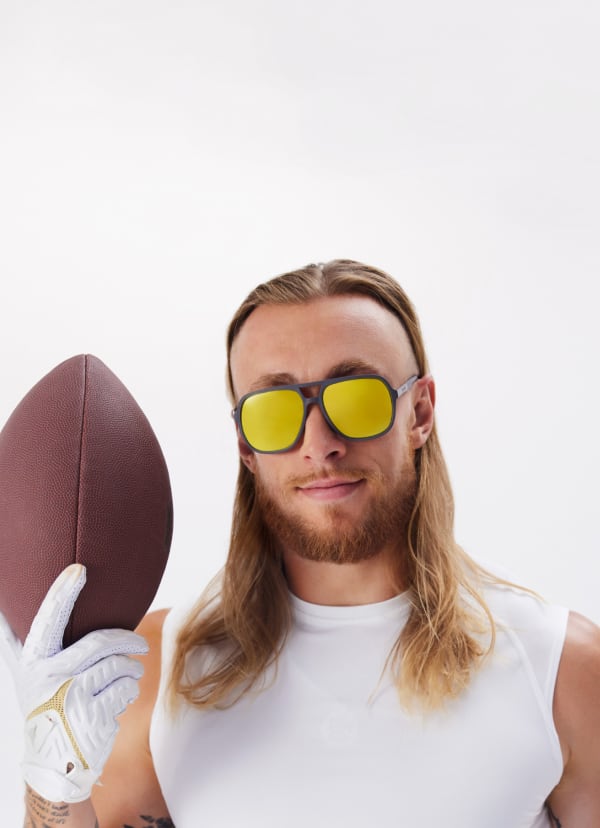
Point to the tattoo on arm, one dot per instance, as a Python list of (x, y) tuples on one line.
[(43, 814), (555, 820)]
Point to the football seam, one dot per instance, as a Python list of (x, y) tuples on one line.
[(79, 475)]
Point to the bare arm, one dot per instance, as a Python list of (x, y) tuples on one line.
[(39, 813), (129, 795), (575, 802)]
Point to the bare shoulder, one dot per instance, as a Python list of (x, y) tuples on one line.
[(129, 784), (577, 718), (151, 624), (150, 627), (577, 684), (577, 693)]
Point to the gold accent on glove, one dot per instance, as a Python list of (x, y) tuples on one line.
[(57, 705)]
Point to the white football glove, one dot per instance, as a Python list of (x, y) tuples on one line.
[(70, 698)]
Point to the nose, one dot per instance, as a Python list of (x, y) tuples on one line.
[(319, 441)]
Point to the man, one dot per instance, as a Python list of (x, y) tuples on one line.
[(351, 665)]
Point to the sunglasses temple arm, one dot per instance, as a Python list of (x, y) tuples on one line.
[(407, 385)]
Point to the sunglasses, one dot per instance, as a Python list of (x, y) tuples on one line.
[(357, 407)]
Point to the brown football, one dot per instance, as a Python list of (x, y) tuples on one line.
[(82, 480)]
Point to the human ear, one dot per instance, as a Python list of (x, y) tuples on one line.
[(423, 406), (247, 456)]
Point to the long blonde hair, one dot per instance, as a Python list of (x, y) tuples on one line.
[(246, 614)]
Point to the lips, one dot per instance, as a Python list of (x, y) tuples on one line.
[(330, 488)]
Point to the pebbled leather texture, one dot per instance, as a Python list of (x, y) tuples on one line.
[(82, 480)]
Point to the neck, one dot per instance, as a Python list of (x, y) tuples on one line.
[(351, 584)]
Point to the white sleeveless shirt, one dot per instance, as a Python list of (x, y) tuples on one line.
[(328, 744)]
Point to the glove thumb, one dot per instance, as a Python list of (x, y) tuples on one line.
[(48, 626)]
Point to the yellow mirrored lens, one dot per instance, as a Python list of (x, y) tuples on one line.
[(271, 420), (360, 407)]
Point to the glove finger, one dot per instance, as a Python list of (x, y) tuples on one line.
[(46, 633), (92, 714), (121, 693), (96, 743), (107, 707), (10, 646), (94, 648), (103, 675)]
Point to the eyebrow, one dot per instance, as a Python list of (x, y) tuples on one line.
[(270, 380), (347, 368), (352, 366)]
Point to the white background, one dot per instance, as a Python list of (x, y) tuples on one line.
[(158, 159)]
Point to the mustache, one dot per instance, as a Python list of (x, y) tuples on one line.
[(345, 474)]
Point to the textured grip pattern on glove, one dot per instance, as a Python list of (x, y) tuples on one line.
[(70, 698)]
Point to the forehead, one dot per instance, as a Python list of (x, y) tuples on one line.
[(306, 341)]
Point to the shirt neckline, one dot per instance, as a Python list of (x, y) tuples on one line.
[(398, 606)]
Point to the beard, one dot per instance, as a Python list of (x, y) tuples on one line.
[(384, 523)]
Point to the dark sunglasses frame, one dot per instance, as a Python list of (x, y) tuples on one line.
[(395, 394)]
